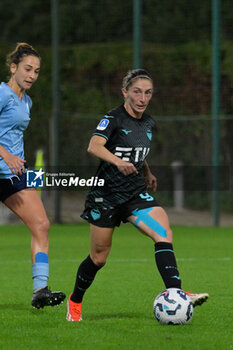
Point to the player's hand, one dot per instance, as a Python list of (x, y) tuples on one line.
[(126, 168), (151, 181), (16, 164)]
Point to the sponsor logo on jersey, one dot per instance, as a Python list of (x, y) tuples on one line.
[(103, 124), (99, 200), (126, 132), (125, 153)]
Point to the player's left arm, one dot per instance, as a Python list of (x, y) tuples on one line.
[(150, 179)]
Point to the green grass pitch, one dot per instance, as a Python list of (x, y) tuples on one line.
[(117, 309)]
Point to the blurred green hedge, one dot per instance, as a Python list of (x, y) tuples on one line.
[(90, 85)]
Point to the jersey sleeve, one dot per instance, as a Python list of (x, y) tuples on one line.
[(4, 98), (106, 126)]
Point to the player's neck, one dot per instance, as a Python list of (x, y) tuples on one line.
[(132, 113), (16, 88)]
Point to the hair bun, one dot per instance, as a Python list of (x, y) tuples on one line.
[(22, 49)]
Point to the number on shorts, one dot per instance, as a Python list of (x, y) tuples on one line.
[(146, 196)]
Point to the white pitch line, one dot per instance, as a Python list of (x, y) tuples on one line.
[(118, 260), (178, 259)]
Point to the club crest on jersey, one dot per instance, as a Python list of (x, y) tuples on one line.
[(103, 124), (149, 134)]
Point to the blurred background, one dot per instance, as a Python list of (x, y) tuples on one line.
[(95, 44)]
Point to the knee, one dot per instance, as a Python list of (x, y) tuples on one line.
[(99, 259), (41, 226), (44, 225)]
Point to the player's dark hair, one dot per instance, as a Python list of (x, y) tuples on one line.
[(21, 50), (133, 75)]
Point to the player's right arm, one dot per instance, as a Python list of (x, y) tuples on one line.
[(97, 148), (16, 164)]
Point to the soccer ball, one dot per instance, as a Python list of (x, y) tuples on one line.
[(173, 306)]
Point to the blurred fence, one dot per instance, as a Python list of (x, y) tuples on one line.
[(185, 139), (94, 57)]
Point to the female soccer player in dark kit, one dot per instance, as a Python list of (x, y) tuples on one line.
[(24, 66), (122, 141)]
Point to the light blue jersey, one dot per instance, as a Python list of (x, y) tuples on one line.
[(14, 119)]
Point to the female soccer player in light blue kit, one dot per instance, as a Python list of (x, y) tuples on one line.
[(15, 104)]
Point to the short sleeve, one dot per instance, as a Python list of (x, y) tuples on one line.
[(106, 126), (4, 98)]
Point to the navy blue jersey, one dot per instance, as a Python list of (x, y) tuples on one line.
[(129, 139)]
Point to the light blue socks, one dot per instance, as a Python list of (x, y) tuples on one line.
[(40, 271)]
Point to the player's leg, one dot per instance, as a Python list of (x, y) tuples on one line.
[(27, 205), (100, 246), (154, 223)]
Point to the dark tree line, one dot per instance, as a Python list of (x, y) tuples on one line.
[(86, 21), (96, 51)]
